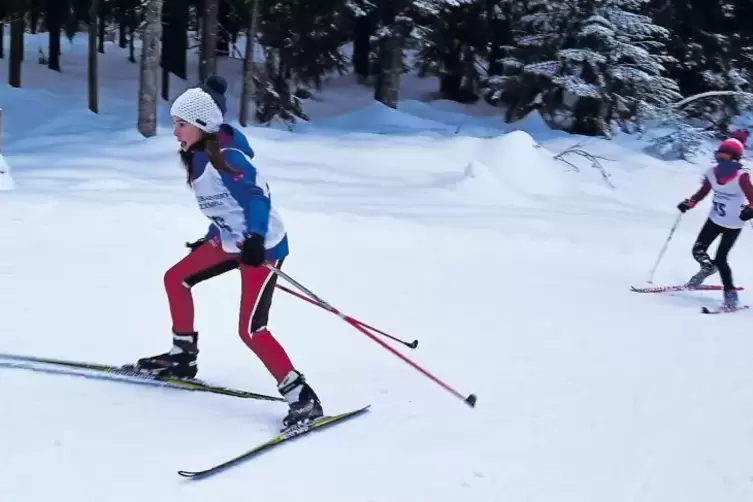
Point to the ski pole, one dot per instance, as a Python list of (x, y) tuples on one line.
[(411, 345), (470, 400), (664, 249)]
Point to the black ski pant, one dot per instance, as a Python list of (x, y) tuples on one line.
[(709, 232)]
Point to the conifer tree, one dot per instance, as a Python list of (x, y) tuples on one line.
[(452, 38)]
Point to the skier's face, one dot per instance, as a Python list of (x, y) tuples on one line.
[(720, 156), (186, 133)]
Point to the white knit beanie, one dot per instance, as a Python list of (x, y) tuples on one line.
[(198, 108)]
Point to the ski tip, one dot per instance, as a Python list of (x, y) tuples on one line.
[(471, 400), (413, 344), (187, 474)]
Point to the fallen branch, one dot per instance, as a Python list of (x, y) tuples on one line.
[(593, 158)]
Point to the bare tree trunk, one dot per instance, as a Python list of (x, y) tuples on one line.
[(248, 64), (149, 70), (34, 16), (132, 30), (208, 55), (92, 67), (387, 85), (387, 88), (16, 45), (122, 28), (102, 27), (54, 18), (3, 17)]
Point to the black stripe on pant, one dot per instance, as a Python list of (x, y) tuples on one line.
[(261, 314), (709, 232)]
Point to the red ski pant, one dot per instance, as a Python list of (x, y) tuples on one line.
[(257, 288)]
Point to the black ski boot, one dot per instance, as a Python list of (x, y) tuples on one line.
[(707, 269), (180, 362), (730, 299), (303, 401)]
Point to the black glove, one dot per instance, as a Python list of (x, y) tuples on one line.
[(747, 213), (685, 205), (252, 251), (193, 246)]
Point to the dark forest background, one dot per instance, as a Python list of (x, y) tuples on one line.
[(588, 66)]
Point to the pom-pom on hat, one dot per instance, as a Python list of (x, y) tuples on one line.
[(203, 106), (741, 135)]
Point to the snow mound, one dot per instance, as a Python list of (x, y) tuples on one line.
[(6, 180), (377, 118), (480, 184), (535, 125), (521, 165)]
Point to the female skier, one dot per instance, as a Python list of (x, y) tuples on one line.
[(731, 187), (245, 231)]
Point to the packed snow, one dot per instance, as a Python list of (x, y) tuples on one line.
[(433, 221)]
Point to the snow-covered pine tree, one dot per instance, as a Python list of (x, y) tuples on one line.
[(452, 37), (738, 17), (521, 32), (614, 65), (303, 41), (592, 62), (676, 133), (359, 8), (673, 135), (307, 37), (522, 80), (705, 42), (273, 96)]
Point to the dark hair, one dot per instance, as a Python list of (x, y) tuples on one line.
[(210, 144)]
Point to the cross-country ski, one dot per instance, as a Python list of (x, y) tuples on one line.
[(679, 287), (123, 373), (723, 309), (285, 435)]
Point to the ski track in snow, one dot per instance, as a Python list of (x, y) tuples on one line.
[(511, 268)]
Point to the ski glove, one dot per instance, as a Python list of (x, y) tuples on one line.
[(685, 205), (747, 213), (252, 250), (193, 246)]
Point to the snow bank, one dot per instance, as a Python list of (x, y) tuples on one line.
[(6, 180), (377, 118), (464, 123), (419, 117), (411, 117)]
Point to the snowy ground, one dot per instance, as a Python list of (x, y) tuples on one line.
[(511, 268)]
